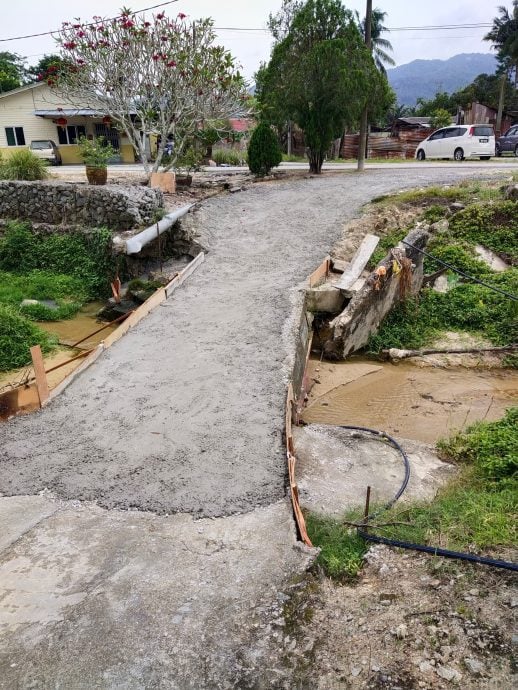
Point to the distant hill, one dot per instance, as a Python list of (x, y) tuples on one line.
[(423, 78)]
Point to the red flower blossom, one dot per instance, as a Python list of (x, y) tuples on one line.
[(156, 57), (70, 45), (80, 34), (181, 16), (147, 24), (161, 15), (171, 63)]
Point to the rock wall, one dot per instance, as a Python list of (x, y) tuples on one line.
[(367, 309), (62, 203)]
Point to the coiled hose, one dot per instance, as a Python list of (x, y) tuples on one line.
[(435, 551)]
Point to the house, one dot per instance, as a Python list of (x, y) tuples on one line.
[(477, 113), (410, 124), (36, 112)]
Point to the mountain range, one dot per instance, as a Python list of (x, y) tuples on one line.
[(424, 78)]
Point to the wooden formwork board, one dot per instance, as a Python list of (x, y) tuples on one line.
[(320, 274), (292, 460)]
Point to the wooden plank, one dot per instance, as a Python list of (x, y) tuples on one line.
[(40, 375), (358, 263), (321, 273), (89, 359)]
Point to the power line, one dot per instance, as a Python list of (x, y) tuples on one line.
[(438, 27), (49, 33)]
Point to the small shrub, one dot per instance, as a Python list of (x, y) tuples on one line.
[(23, 165), (227, 157), (41, 312), (263, 150), (342, 550), (95, 152), (17, 336), (460, 256)]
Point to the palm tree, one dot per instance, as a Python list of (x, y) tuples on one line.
[(504, 37), (380, 45)]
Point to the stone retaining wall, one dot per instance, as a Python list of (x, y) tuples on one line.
[(62, 203)]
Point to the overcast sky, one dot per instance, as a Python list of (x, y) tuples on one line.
[(22, 17)]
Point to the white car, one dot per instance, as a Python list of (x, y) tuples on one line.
[(47, 150), (459, 142)]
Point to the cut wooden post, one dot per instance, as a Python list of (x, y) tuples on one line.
[(358, 263), (39, 374)]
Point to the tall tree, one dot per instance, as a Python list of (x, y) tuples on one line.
[(321, 75), (40, 70), (504, 37), (12, 71), (164, 76), (380, 46)]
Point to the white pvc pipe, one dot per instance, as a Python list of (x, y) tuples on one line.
[(135, 244)]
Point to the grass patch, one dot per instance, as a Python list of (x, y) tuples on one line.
[(431, 195), (17, 336), (342, 550), (466, 307)]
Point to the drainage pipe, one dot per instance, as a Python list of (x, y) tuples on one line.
[(135, 244)]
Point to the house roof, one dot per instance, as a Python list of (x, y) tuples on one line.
[(27, 87), (417, 121), (69, 112), (240, 124)]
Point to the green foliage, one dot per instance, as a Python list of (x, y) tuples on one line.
[(23, 165), (188, 161), (263, 150), (227, 157), (405, 327), (386, 243), (17, 336), (87, 258), (320, 75), (95, 152), (459, 255), (342, 550), (495, 226), (434, 213), (440, 118), (490, 447), (12, 71)]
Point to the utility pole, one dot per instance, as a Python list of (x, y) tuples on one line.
[(498, 126), (365, 114)]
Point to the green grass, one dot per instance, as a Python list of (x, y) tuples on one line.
[(342, 550), (475, 511), (17, 336)]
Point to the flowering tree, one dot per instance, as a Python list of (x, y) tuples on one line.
[(164, 77)]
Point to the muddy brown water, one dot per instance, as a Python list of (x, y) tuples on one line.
[(421, 403)]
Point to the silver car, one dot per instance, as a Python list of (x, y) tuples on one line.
[(47, 150)]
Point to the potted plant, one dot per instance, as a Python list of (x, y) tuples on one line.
[(188, 161), (96, 154)]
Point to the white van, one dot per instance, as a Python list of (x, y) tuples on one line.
[(459, 142)]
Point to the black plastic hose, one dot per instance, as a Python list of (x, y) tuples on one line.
[(435, 551)]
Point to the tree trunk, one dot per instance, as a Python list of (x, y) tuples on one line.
[(316, 160)]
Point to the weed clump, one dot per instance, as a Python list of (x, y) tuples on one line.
[(341, 550), (23, 165), (17, 336)]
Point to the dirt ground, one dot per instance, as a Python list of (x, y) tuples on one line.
[(411, 622)]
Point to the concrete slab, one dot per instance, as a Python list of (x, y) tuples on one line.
[(112, 599), (18, 514), (335, 467)]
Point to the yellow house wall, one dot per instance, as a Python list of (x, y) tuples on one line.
[(16, 110)]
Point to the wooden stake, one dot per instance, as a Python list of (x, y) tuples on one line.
[(39, 373)]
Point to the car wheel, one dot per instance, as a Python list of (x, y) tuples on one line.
[(458, 155), (516, 150), (485, 158), (498, 151), (421, 155)]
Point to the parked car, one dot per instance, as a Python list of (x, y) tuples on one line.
[(508, 142), (459, 142), (47, 150)]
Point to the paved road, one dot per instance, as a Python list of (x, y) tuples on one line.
[(182, 415)]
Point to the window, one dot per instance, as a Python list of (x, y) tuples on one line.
[(482, 131), (15, 136), (451, 132), (70, 134), (437, 135)]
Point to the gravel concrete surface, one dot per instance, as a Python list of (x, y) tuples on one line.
[(185, 413)]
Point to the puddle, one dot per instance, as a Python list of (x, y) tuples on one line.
[(83, 323), (423, 404)]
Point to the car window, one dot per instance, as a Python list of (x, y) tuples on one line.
[(451, 132), (512, 132), (461, 131), (437, 135), (41, 145), (482, 131)]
